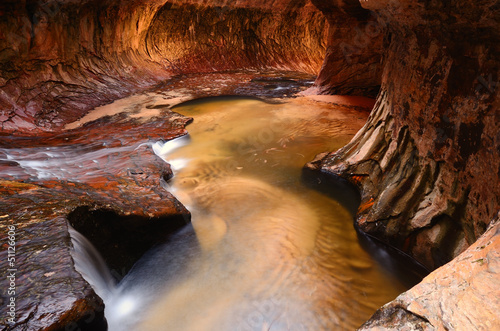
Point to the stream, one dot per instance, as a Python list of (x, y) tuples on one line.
[(268, 248), (264, 251)]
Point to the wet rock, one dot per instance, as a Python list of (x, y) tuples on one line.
[(424, 160), (427, 157), (59, 59), (46, 293), (123, 239), (106, 165), (462, 295)]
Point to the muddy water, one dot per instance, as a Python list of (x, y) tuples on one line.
[(264, 251)]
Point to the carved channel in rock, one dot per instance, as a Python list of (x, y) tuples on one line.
[(120, 239), (260, 240), (394, 260), (430, 149)]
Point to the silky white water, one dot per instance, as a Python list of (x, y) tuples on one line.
[(91, 265), (264, 251), (76, 162)]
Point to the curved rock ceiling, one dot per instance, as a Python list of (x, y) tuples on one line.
[(61, 58)]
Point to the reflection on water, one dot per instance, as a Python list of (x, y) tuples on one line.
[(264, 251)]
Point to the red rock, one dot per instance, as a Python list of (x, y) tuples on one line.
[(461, 295), (426, 162), (428, 158), (50, 293), (61, 59), (425, 156), (47, 293), (353, 62)]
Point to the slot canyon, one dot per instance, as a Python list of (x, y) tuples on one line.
[(404, 95)]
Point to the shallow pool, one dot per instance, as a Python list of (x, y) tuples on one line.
[(265, 251)]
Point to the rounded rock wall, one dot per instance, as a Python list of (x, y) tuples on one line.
[(61, 58), (353, 60), (427, 160)]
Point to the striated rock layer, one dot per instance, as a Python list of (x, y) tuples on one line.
[(427, 160), (59, 59), (353, 62), (103, 170), (102, 177)]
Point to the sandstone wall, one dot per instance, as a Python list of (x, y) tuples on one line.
[(60, 58), (427, 160), (461, 295), (352, 62)]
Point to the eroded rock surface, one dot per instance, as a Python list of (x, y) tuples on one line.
[(102, 177), (61, 58), (48, 294), (427, 160), (353, 60), (462, 295), (98, 167)]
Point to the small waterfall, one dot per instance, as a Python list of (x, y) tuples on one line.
[(161, 148), (263, 250), (91, 265)]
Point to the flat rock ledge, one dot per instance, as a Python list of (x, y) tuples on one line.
[(120, 182)]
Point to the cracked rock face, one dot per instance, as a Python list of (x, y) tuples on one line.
[(119, 174), (102, 177)]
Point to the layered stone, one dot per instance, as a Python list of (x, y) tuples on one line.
[(427, 157), (458, 296), (426, 162), (60, 59)]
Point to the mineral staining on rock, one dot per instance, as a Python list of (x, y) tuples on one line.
[(426, 161), (46, 180), (426, 154)]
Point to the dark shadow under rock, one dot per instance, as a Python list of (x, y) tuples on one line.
[(122, 240)]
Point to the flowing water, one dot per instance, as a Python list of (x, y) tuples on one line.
[(264, 250), (76, 162), (267, 249), (91, 265)]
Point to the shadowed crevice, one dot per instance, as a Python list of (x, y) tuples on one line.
[(120, 239)]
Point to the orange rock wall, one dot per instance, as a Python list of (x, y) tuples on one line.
[(428, 155), (58, 59), (353, 59)]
